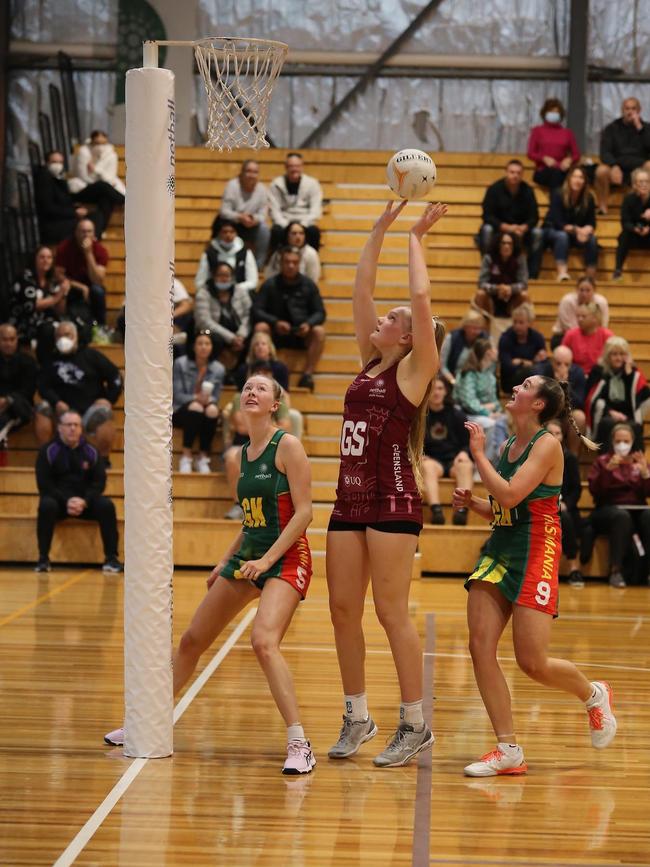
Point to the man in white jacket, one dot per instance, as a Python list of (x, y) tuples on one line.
[(96, 160), (295, 197)]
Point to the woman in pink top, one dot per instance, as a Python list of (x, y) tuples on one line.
[(587, 340), (552, 147)]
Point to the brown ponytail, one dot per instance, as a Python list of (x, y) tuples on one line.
[(557, 404), (418, 425)]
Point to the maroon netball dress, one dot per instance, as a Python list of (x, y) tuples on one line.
[(376, 484)]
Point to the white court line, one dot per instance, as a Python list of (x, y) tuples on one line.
[(86, 833)]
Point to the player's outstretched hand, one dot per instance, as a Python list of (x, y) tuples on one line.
[(476, 438), (461, 499), (390, 214), (431, 214)]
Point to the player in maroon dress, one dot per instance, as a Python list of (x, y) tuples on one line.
[(377, 517)]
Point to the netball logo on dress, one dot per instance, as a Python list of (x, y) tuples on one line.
[(378, 389), (263, 474)]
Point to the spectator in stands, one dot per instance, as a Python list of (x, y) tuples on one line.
[(567, 311), (227, 246), (290, 308), (245, 202), (82, 259), (569, 498), (295, 197), (571, 222), (17, 383), (520, 347), (509, 205), (587, 340), (224, 309), (551, 146), (503, 278), (635, 220), (624, 147), (96, 160), (83, 380), (457, 343), (295, 236), (476, 394), (617, 479), (617, 391), (262, 348), (71, 478), (560, 366), (446, 450), (36, 297), (236, 434), (198, 379), (58, 210)]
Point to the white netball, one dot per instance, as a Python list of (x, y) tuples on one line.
[(411, 173)]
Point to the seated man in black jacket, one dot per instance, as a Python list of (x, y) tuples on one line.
[(635, 220), (509, 205), (290, 308), (71, 479), (83, 380), (624, 146), (17, 382)]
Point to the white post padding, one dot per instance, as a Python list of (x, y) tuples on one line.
[(149, 236)]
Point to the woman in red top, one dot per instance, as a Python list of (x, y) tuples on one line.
[(586, 342), (552, 147), (619, 482), (377, 516)]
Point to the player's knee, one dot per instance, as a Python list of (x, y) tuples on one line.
[(263, 643), (344, 615), (532, 664), (390, 616), (190, 645)]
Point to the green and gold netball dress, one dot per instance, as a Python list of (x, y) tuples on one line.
[(522, 556), (264, 495)]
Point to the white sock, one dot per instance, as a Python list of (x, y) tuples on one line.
[(356, 707), (295, 732), (509, 750), (411, 712)]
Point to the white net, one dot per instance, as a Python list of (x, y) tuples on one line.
[(238, 76)]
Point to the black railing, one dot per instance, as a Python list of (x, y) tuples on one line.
[(62, 142), (27, 216), (45, 128), (69, 98)]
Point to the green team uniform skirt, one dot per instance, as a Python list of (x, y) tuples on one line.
[(264, 495), (522, 556)]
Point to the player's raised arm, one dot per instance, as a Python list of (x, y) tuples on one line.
[(423, 360), (363, 305)]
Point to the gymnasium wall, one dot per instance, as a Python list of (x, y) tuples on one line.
[(450, 114)]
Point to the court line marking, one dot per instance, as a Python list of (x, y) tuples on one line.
[(50, 593), (422, 814), (89, 829)]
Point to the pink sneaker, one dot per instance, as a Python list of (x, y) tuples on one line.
[(115, 739), (300, 759)]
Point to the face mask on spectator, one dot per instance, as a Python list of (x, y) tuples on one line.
[(55, 169), (623, 449), (65, 345), (99, 149), (227, 245), (223, 287), (552, 117)]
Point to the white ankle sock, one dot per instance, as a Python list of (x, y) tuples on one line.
[(356, 707), (295, 732), (411, 712)]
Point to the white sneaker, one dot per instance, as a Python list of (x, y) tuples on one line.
[(234, 513), (300, 759), (115, 738), (185, 465), (202, 464), (497, 763), (602, 721)]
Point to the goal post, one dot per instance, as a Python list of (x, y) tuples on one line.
[(238, 76)]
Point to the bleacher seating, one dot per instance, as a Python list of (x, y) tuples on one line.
[(354, 190)]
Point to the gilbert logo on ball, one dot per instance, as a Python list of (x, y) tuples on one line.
[(411, 173)]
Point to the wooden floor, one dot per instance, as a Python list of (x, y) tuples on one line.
[(221, 800)]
